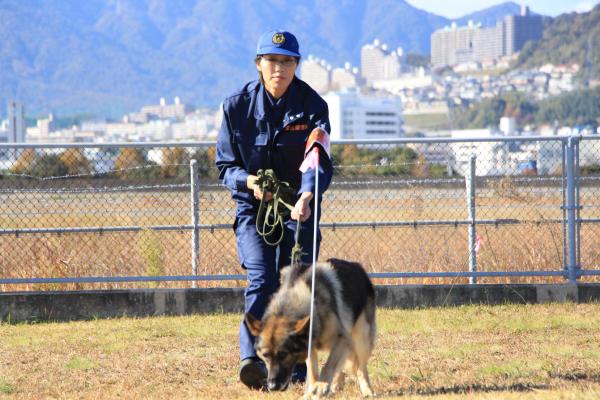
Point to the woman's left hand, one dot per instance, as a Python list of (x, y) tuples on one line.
[(301, 209)]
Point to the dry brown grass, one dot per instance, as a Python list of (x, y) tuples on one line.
[(477, 352), (530, 246)]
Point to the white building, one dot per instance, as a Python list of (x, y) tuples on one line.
[(508, 126), (456, 45), (492, 157), (345, 78), (42, 129), (177, 110), (376, 62), (549, 157), (153, 131), (193, 127), (355, 116), (16, 122), (317, 73), (420, 78), (4, 131), (120, 132)]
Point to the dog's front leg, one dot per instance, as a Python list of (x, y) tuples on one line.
[(312, 373), (312, 368), (332, 366)]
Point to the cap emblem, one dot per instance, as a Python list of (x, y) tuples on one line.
[(278, 38)]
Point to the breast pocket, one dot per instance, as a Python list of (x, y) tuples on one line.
[(253, 148), (292, 138), (289, 151)]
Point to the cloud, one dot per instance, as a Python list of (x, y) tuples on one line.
[(584, 6)]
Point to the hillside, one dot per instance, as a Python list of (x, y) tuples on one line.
[(568, 38), (580, 107)]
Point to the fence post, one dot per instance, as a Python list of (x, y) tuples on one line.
[(572, 142), (448, 166), (194, 185), (470, 185)]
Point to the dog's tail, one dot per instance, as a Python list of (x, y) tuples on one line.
[(370, 317)]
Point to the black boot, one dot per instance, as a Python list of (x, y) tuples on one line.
[(253, 373)]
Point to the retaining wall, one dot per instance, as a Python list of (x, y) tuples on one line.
[(82, 305)]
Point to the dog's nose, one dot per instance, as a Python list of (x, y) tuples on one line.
[(272, 385)]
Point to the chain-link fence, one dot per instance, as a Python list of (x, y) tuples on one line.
[(134, 215)]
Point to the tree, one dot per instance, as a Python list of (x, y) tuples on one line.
[(206, 162), (75, 162), (24, 162), (132, 164), (175, 162), (48, 165)]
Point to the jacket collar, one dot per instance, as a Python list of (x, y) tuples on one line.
[(294, 108)]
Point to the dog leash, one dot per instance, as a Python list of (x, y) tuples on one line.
[(269, 183), (271, 214)]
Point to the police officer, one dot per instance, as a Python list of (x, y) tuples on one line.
[(266, 125)]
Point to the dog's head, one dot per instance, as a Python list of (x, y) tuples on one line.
[(281, 343)]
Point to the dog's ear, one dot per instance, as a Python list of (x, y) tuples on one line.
[(254, 325), (301, 327)]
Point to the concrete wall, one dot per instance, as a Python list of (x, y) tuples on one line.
[(81, 305)]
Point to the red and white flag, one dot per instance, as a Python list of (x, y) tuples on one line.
[(478, 243), (311, 161), (318, 137)]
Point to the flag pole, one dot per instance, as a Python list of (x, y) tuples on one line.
[(314, 260)]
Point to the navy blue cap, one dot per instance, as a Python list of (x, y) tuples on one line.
[(278, 42)]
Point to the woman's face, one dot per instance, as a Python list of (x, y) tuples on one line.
[(277, 71)]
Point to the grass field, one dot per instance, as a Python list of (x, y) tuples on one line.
[(426, 122), (478, 352)]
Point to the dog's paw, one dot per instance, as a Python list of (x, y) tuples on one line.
[(318, 390), (367, 393), (337, 385)]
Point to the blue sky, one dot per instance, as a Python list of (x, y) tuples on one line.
[(458, 8)]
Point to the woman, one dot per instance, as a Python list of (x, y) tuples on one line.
[(266, 125)]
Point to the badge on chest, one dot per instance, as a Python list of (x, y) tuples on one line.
[(296, 127)]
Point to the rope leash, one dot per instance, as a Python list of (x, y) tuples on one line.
[(271, 214)]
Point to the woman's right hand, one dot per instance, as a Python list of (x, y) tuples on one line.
[(258, 193)]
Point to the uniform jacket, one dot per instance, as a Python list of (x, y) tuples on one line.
[(249, 141)]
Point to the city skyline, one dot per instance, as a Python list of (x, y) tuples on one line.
[(460, 8)]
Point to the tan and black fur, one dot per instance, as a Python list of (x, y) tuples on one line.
[(344, 326)]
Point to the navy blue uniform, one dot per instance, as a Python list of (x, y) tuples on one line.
[(259, 134)]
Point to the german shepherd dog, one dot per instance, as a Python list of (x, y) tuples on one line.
[(344, 325)]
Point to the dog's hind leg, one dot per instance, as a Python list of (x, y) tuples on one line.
[(363, 339), (362, 375), (338, 382)]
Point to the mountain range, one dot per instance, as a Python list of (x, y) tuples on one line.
[(107, 57)]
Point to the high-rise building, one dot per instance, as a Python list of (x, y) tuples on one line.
[(377, 62), (317, 73), (177, 110), (489, 43), (455, 45), (345, 78), (16, 122), (355, 116), (520, 29)]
